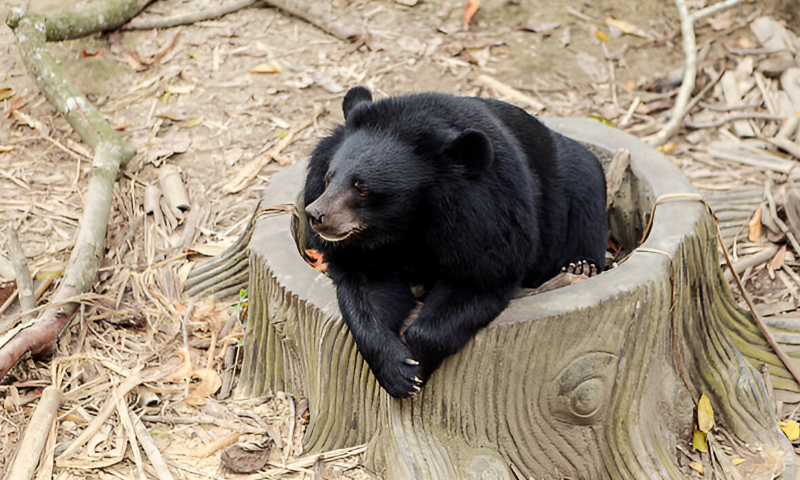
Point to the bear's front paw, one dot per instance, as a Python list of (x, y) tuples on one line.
[(397, 372)]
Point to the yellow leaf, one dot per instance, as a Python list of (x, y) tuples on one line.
[(697, 466), (602, 36), (602, 120), (6, 93), (791, 429), (737, 461), (666, 148), (705, 414), (195, 56), (194, 122), (265, 68), (44, 275), (281, 133), (179, 89), (7, 148), (754, 226), (699, 441), (627, 28)]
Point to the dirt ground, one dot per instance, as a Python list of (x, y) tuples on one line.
[(188, 96)]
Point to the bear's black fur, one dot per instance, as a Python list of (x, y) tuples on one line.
[(470, 197)]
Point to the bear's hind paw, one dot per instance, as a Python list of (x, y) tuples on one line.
[(581, 268)]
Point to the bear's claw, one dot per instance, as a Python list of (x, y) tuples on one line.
[(581, 268)]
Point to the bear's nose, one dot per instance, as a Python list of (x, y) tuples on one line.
[(315, 216)]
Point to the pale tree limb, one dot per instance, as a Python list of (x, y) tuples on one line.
[(86, 19), (680, 109), (36, 435), (188, 18), (110, 152)]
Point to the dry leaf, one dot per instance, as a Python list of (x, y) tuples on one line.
[(469, 11), (625, 27), (186, 368), (209, 383), (699, 441), (666, 148), (705, 414), (791, 429), (15, 104), (602, 36), (754, 226), (265, 68), (180, 89), (210, 249), (7, 148), (777, 260), (722, 21), (6, 93), (697, 466), (737, 461)]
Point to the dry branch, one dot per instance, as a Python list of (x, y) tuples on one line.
[(36, 435), (110, 152), (343, 27), (86, 19), (188, 18), (690, 69)]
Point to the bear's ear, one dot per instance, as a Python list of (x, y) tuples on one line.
[(355, 96), (471, 149)]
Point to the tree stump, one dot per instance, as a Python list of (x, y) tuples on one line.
[(581, 382)]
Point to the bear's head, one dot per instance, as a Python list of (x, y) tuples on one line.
[(385, 175)]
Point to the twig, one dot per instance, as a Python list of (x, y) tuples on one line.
[(127, 424), (631, 110), (343, 27), (188, 18), (27, 300), (728, 108), (680, 109), (734, 117), (752, 260), (150, 449), (760, 51), (36, 435), (509, 92)]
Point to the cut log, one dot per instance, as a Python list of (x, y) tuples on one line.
[(594, 380)]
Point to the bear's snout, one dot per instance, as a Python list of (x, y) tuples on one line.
[(315, 214)]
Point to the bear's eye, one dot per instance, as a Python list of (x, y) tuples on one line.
[(327, 180), (362, 190)]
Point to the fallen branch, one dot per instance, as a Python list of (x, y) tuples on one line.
[(342, 27), (732, 118), (36, 435), (85, 19), (188, 18), (510, 93), (680, 109), (110, 152)]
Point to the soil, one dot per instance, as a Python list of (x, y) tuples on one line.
[(186, 96)]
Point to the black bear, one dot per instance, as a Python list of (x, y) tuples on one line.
[(469, 197)]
